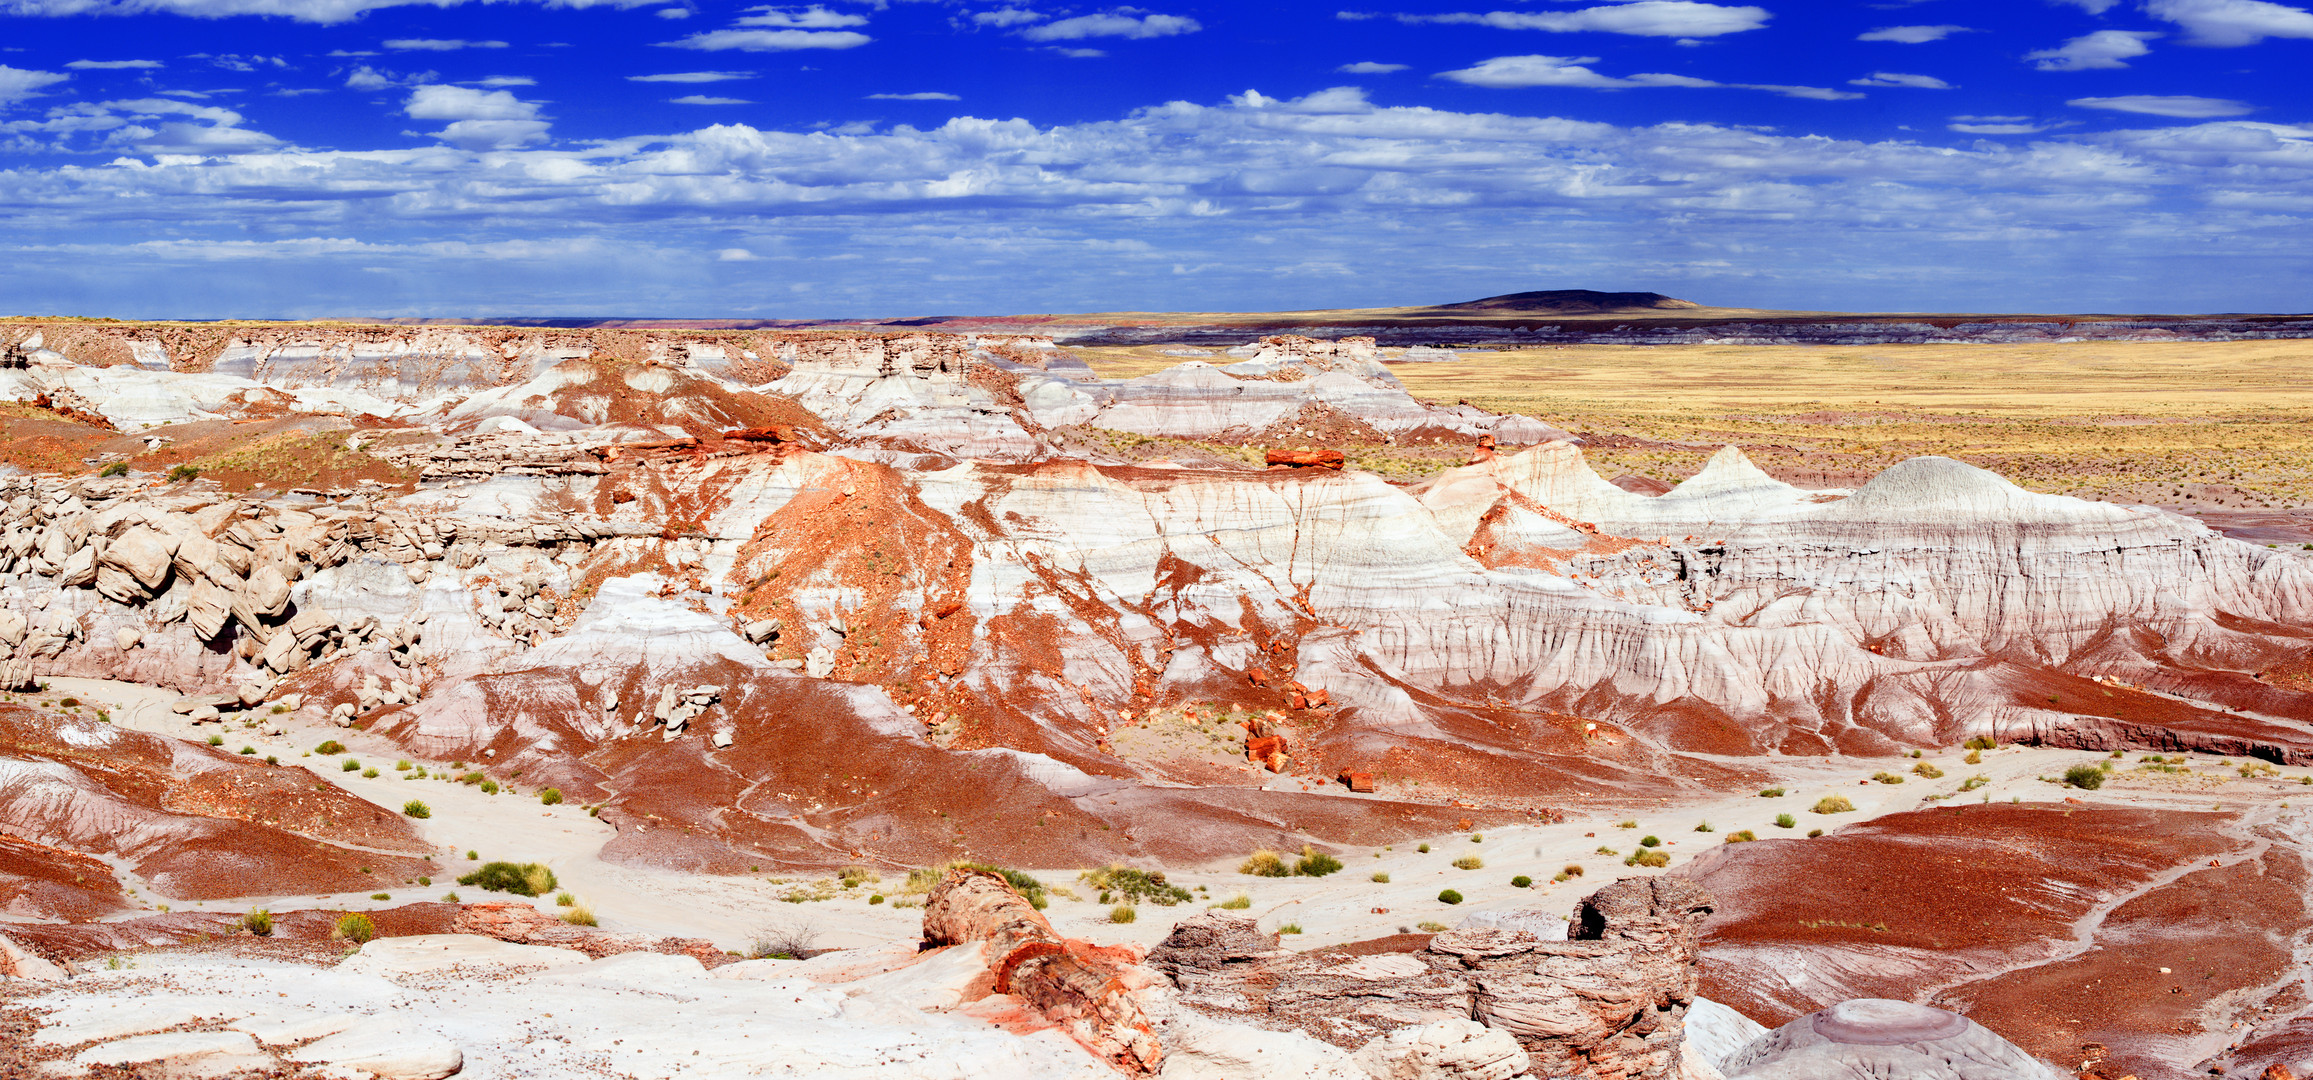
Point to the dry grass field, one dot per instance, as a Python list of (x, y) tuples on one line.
[(2207, 425)]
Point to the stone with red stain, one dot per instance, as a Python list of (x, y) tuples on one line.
[(1306, 459), (1485, 451), (1357, 781)]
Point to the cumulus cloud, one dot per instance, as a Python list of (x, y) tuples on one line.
[(1369, 67), (16, 84), (436, 45), (1120, 23), (673, 13), (1988, 125), (737, 255), (480, 119), (815, 17), (1890, 78), (1642, 18), (1003, 18), (1521, 72), (2232, 23), (496, 81), (703, 99), (922, 95), (2102, 49), (365, 77), (770, 40), (2093, 7), (155, 125), (313, 11), (1912, 35), (2179, 106), (111, 65), (693, 76)]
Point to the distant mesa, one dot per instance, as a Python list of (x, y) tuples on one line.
[(1574, 302)]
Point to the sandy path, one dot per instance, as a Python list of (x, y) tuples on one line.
[(734, 910)]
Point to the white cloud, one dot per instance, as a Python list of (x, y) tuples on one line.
[(2232, 23), (1643, 18), (693, 76), (1369, 67), (737, 255), (703, 99), (155, 125), (923, 95), (313, 11), (349, 54), (440, 102), (2093, 7), (815, 17), (2102, 49), (480, 119), (1006, 17), (1519, 72), (1119, 23), (673, 13), (1890, 78), (16, 84), (1078, 54), (365, 77), (496, 81), (1912, 35), (2180, 106), (237, 62), (770, 40), (111, 65), (438, 44), (2010, 128)]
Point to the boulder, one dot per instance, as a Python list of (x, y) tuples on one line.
[(386, 1049), (1306, 459), (143, 553), (128, 637), (208, 609), (267, 592), (78, 569), (1446, 1050), (13, 627), (763, 631)]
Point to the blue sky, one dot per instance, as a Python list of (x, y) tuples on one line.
[(283, 158)]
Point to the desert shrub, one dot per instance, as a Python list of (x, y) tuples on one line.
[(331, 747), (1813, 833), (117, 468), (1572, 870), (471, 779), (216, 739), (1477, 838), (1974, 782), (259, 921), (1449, 897), (425, 881), (1380, 877), (1741, 836), (521, 879), (271, 760), (1975, 757), (1469, 862), (2250, 769), (1648, 857), (355, 927), (1650, 840), (876, 899), (1833, 804), (1981, 742), (402, 766), (564, 899), (380, 896), (1885, 777), (1703, 827), (489, 787), (248, 751), (1424, 849), (550, 796), (1915, 753), (182, 473), (1136, 885), (369, 774), (852, 877), (1521, 882), (787, 941), (1315, 863), (2084, 777), (1923, 769), (416, 809), (1289, 928), (1122, 913), (1604, 850), (1626, 825), (1430, 927), (580, 915), (350, 766), (1241, 901), (1265, 863), (1772, 793), (1785, 821)]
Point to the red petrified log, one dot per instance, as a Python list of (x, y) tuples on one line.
[(1080, 985), (1307, 459), (1269, 750), (775, 433), (1357, 781), (1484, 452)]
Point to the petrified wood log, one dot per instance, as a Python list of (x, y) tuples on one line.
[(1084, 987)]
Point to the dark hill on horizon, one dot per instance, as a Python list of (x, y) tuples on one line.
[(1572, 302)]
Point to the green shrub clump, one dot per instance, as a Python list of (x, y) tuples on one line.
[(330, 747), (1785, 821), (1381, 877), (1265, 863), (550, 796), (1449, 897), (1238, 902), (1648, 857), (521, 879), (117, 468), (1772, 793), (1122, 914), (1927, 771), (1650, 840), (1469, 862), (1833, 804), (350, 766), (1743, 836), (1315, 863), (416, 809), (1137, 885), (1974, 782), (1521, 882), (355, 927), (1981, 742), (2084, 777), (259, 921), (1886, 777)]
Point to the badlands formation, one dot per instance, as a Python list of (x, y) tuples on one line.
[(748, 637)]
